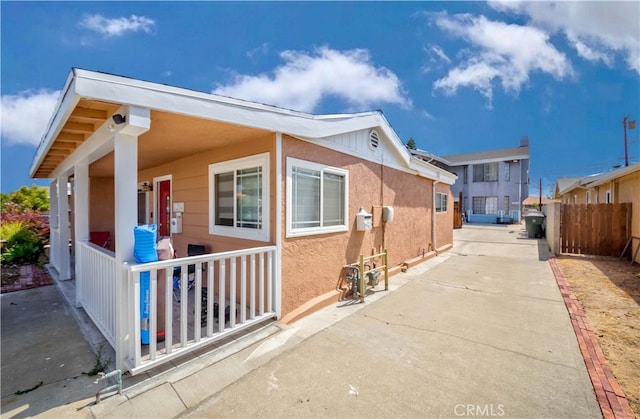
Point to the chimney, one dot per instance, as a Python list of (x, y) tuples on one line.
[(524, 141)]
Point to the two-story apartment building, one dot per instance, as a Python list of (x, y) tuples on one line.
[(493, 183)]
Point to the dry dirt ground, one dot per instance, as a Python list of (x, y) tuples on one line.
[(609, 291)]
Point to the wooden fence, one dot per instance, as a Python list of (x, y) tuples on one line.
[(595, 229)]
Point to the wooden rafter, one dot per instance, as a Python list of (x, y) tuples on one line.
[(70, 137), (78, 127), (88, 113)]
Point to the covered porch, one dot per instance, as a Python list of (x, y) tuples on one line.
[(98, 153)]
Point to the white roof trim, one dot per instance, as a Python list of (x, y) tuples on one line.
[(131, 92)]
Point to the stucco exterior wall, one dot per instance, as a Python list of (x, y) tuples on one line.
[(190, 184), (444, 220), (628, 190), (313, 265), (576, 196)]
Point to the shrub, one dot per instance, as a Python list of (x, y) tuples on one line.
[(22, 244), (10, 229)]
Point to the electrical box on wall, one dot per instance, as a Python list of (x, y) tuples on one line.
[(387, 214), (176, 224), (364, 220)]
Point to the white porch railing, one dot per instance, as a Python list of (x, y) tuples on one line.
[(240, 288), (97, 271)]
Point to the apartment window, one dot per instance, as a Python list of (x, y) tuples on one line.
[(487, 172), (441, 202), (485, 204), (507, 172), (507, 204), (465, 174), (239, 198), (317, 198)]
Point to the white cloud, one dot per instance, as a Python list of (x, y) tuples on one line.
[(306, 78), (113, 27), (502, 52), (590, 53), (440, 53), (596, 29), (259, 50), (26, 114)]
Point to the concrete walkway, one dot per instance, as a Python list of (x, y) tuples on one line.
[(481, 330), (484, 333)]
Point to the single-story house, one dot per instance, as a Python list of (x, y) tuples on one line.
[(621, 185), (275, 203)]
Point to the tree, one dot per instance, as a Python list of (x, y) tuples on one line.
[(411, 144), (34, 198)]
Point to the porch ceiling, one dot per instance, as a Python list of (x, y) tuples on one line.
[(170, 137)]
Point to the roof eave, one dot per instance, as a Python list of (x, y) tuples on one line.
[(64, 106)]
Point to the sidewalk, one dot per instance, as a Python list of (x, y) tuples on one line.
[(479, 330), (483, 333)]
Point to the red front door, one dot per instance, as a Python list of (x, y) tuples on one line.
[(164, 208)]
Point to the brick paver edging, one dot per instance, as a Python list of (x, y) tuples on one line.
[(31, 276), (613, 402)]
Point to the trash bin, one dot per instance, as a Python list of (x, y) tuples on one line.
[(534, 223)]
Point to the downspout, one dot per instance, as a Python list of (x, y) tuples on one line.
[(433, 217)]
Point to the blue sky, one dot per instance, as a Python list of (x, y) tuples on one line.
[(456, 77)]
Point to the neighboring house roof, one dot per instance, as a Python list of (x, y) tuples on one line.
[(531, 200), (565, 185), (84, 85), (614, 174), (516, 153)]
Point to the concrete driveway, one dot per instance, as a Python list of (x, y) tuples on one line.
[(483, 333)]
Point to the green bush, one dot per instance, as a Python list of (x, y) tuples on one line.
[(9, 229), (22, 244)]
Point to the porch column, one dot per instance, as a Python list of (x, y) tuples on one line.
[(81, 219), (126, 194), (53, 224), (63, 224), (126, 218)]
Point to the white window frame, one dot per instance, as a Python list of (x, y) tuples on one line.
[(441, 198), (608, 197), (297, 232), (260, 234)]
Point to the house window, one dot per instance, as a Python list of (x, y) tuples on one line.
[(507, 204), (487, 172), (507, 172), (588, 197), (239, 198), (465, 174), (608, 197), (485, 205), (317, 198), (441, 202)]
